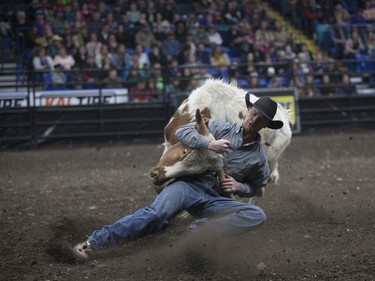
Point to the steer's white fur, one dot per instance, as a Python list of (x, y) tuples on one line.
[(226, 101)]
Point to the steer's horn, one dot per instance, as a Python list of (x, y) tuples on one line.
[(200, 124)]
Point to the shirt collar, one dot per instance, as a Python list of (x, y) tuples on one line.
[(239, 130)]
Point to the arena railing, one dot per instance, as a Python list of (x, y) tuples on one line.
[(83, 110)]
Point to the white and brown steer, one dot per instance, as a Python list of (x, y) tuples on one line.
[(216, 100)]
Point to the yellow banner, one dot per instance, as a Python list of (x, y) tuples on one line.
[(289, 103)]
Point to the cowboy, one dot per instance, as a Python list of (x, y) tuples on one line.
[(246, 171)]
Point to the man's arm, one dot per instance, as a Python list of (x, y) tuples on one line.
[(188, 135)]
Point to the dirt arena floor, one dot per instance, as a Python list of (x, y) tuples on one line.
[(321, 217)]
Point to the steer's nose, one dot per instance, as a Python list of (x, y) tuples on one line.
[(154, 173)]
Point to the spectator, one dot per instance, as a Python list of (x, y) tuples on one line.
[(93, 46), (192, 23), (90, 73), (141, 92), (358, 21), (168, 11), (289, 55), (354, 46), (117, 12), (103, 9), (249, 64), (84, 35), (304, 65), (184, 54), (35, 34), (143, 58), (254, 80), (201, 54), (77, 23), (58, 6), (103, 57), (192, 84), (170, 46), (132, 77), (104, 34), (281, 35), (156, 56), (369, 11), (233, 39), (185, 78), (161, 27), (76, 78), (121, 59), (282, 67), (201, 37), (133, 13), (20, 31), (80, 56), (214, 37), (192, 63), (311, 16), (58, 22), (42, 61), (95, 25), (234, 72), (370, 42), (86, 11), (341, 15), (112, 81), (54, 47), (327, 88), (145, 37), (248, 37), (331, 68), (74, 44), (309, 89), (56, 80), (181, 31), (112, 43), (110, 22), (7, 20), (306, 52), (346, 88), (339, 37), (220, 60), (152, 10), (264, 34), (63, 59), (350, 5), (39, 23), (232, 12), (157, 79), (174, 72), (123, 37)]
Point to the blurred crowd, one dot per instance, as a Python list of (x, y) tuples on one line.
[(151, 46)]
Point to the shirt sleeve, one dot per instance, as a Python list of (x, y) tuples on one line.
[(188, 135)]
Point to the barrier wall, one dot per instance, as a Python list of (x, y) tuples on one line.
[(69, 115)]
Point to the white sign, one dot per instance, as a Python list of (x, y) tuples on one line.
[(63, 98)]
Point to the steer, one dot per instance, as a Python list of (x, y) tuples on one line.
[(182, 160), (216, 100)]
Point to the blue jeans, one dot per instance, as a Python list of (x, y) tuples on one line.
[(225, 215)]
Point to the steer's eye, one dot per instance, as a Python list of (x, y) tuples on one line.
[(184, 151)]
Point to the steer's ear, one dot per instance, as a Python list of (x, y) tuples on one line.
[(201, 123)]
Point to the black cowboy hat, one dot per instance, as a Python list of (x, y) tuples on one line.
[(267, 107)]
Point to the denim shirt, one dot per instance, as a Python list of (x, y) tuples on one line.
[(246, 163)]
